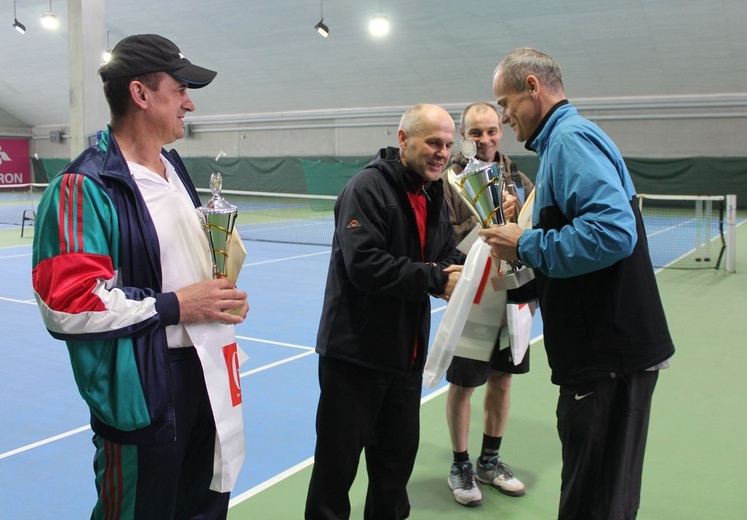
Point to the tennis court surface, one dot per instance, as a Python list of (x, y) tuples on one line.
[(694, 465)]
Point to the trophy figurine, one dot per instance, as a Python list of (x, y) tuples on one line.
[(481, 185), (218, 219)]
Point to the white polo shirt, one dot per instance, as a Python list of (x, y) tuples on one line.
[(185, 257)]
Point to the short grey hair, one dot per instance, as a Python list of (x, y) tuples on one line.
[(412, 120), (480, 106), (525, 61)]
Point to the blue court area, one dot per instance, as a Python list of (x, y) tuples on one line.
[(45, 446), (689, 242), (45, 443)]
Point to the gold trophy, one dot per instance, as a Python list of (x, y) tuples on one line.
[(218, 219), (481, 185)]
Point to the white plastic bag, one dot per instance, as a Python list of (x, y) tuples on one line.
[(519, 317), (455, 316), (220, 357)]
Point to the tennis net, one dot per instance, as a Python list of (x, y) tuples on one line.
[(282, 217), (267, 217), (18, 202), (686, 231)]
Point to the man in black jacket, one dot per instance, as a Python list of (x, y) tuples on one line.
[(393, 247)]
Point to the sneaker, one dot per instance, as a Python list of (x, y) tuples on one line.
[(500, 476), (464, 486)]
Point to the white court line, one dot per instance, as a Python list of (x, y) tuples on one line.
[(285, 259), (301, 465), (88, 427), (15, 247), (275, 364), (308, 462), (44, 441), (14, 256), (269, 342), (27, 302), (270, 482)]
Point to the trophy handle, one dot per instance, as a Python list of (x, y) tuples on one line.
[(471, 202)]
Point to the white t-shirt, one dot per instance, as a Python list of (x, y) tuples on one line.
[(185, 256)]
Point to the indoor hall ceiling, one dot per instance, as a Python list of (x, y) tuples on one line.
[(269, 58)]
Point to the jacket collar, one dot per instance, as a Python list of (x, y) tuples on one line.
[(115, 165), (388, 161), (539, 138)]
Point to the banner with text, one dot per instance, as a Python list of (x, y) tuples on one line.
[(15, 167)]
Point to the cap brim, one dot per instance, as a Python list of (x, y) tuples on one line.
[(194, 76)]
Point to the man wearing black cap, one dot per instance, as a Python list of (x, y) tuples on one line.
[(121, 270)]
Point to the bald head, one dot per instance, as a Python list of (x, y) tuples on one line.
[(426, 135), (416, 119)]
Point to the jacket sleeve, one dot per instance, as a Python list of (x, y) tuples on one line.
[(374, 254), (75, 268), (588, 192)]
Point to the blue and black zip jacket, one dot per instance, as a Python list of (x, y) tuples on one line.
[(600, 304)]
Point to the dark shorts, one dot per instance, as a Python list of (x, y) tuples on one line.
[(472, 373)]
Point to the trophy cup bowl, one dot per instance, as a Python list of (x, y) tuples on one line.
[(480, 185), (218, 219)]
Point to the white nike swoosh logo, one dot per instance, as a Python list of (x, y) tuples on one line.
[(579, 397)]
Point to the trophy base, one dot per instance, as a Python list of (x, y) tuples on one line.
[(509, 281)]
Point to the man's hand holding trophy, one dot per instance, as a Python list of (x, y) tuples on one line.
[(482, 186)]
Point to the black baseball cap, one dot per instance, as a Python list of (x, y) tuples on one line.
[(146, 53)]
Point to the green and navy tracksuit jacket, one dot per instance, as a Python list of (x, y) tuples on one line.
[(97, 280), (600, 303)]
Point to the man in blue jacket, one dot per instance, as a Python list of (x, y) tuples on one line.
[(392, 249), (120, 266), (605, 331)]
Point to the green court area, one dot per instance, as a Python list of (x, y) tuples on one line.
[(694, 467)]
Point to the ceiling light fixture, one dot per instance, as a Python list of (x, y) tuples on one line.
[(18, 26), (49, 18), (321, 27), (107, 54), (379, 25)]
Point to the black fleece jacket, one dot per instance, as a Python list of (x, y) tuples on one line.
[(376, 304)]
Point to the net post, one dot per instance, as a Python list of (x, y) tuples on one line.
[(731, 233)]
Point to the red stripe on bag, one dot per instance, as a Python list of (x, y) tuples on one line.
[(483, 281), (231, 356)]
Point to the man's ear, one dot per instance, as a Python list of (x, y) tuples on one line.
[(139, 94), (533, 84), (402, 139)]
